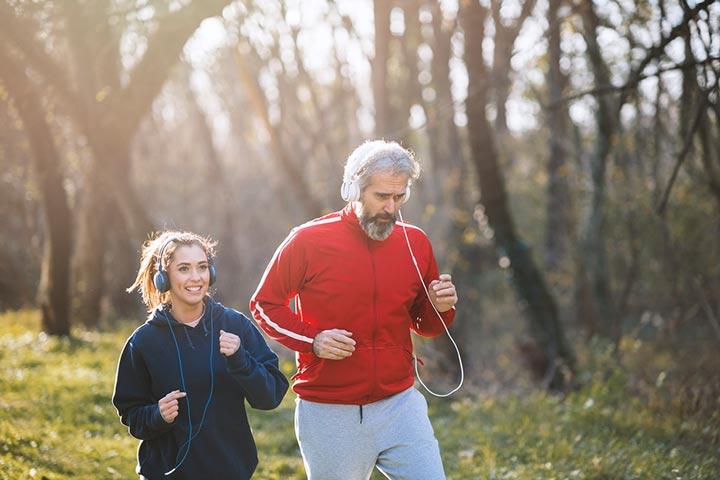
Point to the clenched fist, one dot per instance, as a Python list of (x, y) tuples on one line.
[(229, 343), (442, 293)]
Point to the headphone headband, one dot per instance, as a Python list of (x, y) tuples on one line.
[(162, 251)]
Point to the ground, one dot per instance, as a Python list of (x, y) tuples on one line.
[(651, 415)]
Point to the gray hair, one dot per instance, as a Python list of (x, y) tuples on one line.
[(379, 156)]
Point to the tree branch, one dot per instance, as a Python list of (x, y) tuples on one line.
[(606, 89), (687, 145), (164, 47), (256, 96), (19, 31), (658, 49)]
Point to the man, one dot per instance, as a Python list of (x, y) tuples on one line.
[(357, 295)]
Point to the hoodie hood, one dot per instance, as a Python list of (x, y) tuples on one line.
[(161, 316)]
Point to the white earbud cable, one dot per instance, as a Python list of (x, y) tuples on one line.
[(457, 350)]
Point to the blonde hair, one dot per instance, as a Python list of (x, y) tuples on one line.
[(164, 243)]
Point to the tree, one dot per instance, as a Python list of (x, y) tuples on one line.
[(381, 95), (557, 226), (598, 305), (54, 288), (105, 108), (541, 309)]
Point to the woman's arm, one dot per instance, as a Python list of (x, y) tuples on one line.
[(255, 367), (137, 408)]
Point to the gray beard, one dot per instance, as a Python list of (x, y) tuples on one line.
[(374, 229)]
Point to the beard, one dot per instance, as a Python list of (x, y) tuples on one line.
[(374, 227)]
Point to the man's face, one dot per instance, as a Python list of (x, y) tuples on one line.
[(379, 204)]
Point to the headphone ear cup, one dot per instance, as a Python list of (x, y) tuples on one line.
[(354, 191), (161, 281), (407, 194), (213, 274), (350, 191), (345, 191)]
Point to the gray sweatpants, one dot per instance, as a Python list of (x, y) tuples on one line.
[(393, 434)]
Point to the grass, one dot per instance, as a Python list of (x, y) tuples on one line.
[(635, 420)]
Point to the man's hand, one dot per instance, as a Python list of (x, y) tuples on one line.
[(333, 344), (442, 293), (229, 343), (169, 407)]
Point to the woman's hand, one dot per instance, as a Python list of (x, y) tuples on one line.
[(169, 407), (229, 343)]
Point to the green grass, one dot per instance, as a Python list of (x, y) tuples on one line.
[(641, 419)]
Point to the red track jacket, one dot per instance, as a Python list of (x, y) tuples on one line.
[(341, 278)]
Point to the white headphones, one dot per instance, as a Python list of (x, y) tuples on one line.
[(350, 188), (350, 192)]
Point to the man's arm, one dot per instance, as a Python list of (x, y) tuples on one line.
[(442, 296), (270, 305)]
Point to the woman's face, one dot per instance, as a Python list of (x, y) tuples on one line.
[(189, 276)]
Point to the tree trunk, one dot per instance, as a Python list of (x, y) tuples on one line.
[(122, 253), (448, 162), (53, 291), (90, 250), (557, 226), (505, 36), (594, 241), (298, 184), (117, 178), (228, 252), (542, 312), (691, 97), (381, 96), (502, 54), (107, 111), (449, 197), (110, 193)]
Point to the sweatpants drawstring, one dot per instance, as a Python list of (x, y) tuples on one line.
[(361, 416)]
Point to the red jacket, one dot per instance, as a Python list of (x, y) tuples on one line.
[(341, 278)]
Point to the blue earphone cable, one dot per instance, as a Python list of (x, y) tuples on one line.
[(191, 435)]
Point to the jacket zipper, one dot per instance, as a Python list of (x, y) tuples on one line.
[(375, 319)]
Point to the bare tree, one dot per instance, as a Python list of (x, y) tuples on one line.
[(381, 95), (54, 288), (528, 282), (105, 109), (597, 304), (557, 226)]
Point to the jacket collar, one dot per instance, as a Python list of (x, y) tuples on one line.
[(349, 217)]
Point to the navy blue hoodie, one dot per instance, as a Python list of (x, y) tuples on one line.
[(149, 369)]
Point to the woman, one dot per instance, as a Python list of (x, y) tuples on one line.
[(183, 376)]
